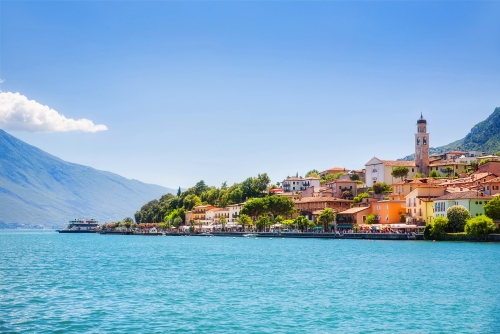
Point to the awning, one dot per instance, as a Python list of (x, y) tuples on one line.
[(344, 226)]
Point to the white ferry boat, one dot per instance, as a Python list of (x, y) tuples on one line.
[(82, 225)]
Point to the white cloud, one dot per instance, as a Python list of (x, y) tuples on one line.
[(2, 80), (19, 113)]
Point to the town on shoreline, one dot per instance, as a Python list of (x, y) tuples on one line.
[(449, 196)]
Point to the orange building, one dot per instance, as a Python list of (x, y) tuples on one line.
[(389, 211), (311, 207)]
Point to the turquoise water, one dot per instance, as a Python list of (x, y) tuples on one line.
[(95, 283)]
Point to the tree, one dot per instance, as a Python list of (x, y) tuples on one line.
[(179, 192), (235, 196), (359, 198), (433, 174), (449, 171), (354, 177), (419, 175), (479, 226), (260, 183), (279, 205), (370, 219), (247, 188), (313, 173), (301, 222), (484, 161), (223, 222), (200, 187), (381, 187), (474, 165), (254, 208), (457, 216), (128, 220), (326, 218), (244, 220), (178, 221), (263, 222), (400, 172), (190, 201), (438, 228), (492, 208)]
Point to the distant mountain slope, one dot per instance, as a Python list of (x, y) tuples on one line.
[(484, 136), (38, 188)]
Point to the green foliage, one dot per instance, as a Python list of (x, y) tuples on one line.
[(479, 226), (427, 232), (355, 177), (279, 205), (371, 219), (359, 198), (433, 174), (381, 187), (326, 217), (419, 175), (331, 177), (483, 161), (313, 173), (400, 172), (492, 208), (457, 216), (244, 220), (254, 207), (301, 222), (263, 222), (439, 227)]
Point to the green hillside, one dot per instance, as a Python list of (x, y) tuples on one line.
[(484, 136), (37, 188)]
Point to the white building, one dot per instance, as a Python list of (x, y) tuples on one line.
[(380, 170), (234, 211), (294, 184)]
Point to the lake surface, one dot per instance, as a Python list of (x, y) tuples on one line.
[(91, 283)]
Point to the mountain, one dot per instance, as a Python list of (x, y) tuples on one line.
[(484, 136), (37, 188)]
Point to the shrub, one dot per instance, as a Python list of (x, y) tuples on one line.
[(438, 228), (479, 226), (492, 208), (371, 219), (434, 174), (484, 161), (457, 216), (381, 187), (427, 232)]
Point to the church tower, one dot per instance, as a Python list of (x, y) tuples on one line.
[(422, 146)]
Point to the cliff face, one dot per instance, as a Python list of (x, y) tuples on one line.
[(38, 188), (484, 136)]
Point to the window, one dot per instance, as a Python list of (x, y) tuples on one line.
[(374, 171), (387, 206), (425, 141), (412, 170), (418, 140), (411, 188)]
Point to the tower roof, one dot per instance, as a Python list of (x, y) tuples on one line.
[(421, 119)]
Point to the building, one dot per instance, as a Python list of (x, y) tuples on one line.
[(346, 219), (388, 211), (491, 187), (213, 216), (378, 170), (339, 186), (403, 188), (234, 211), (473, 201), (311, 207), (334, 170), (198, 214), (422, 146), (294, 184), (419, 203), (449, 168)]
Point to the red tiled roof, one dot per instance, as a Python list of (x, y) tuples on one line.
[(464, 195), (398, 163)]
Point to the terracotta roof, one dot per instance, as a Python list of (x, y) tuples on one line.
[(464, 195), (398, 163), (355, 210), (496, 179), (446, 163), (321, 199)]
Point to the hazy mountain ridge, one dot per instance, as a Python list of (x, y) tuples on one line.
[(484, 136), (38, 188)]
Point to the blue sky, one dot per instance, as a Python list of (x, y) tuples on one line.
[(224, 90)]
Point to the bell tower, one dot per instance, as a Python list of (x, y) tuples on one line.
[(422, 146)]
